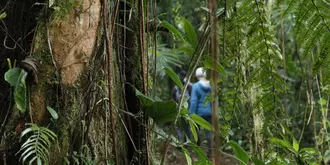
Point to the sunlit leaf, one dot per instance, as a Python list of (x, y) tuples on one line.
[(3, 15), (26, 131), (295, 145), (193, 130), (202, 122), (52, 112), (322, 102), (283, 143), (28, 154), (187, 155), (12, 76)]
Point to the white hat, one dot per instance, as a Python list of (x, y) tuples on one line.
[(200, 72)]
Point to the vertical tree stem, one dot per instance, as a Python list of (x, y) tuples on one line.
[(144, 73), (155, 45), (108, 51), (213, 6)]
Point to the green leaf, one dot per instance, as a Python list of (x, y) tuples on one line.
[(27, 144), (256, 161), (162, 111), (242, 155), (308, 150), (159, 111), (322, 102), (27, 151), (52, 112), (173, 30), (50, 134), (295, 145), (3, 15), (202, 122), (187, 155), (209, 63), (193, 130), (190, 33), (188, 50), (45, 139), (29, 154), (184, 111), (12, 76), (16, 78), (145, 100), (283, 143), (174, 77), (27, 130), (36, 147), (20, 93), (203, 159)]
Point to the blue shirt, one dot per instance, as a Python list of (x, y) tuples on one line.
[(198, 105)]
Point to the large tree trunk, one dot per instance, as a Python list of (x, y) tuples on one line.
[(69, 45)]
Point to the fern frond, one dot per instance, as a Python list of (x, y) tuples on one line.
[(312, 30), (292, 6), (36, 148)]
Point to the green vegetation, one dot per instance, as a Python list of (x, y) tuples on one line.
[(16, 78), (273, 65), (37, 144), (268, 62)]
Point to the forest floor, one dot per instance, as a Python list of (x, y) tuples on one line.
[(176, 157)]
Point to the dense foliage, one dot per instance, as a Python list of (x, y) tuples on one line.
[(274, 99), (273, 81)]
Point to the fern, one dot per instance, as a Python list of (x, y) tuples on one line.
[(312, 29), (36, 148), (252, 54), (263, 55), (166, 58)]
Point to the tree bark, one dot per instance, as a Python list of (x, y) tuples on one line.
[(69, 45)]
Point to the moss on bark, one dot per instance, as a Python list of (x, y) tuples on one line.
[(84, 117)]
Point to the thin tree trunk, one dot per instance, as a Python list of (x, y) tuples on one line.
[(213, 6)]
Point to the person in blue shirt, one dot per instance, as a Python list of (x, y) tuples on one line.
[(198, 103)]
